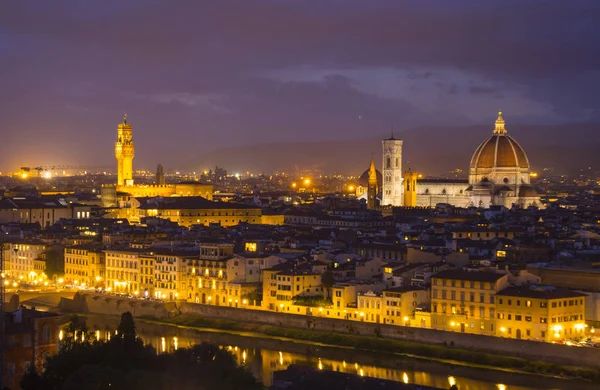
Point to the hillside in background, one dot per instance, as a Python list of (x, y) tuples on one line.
[(432, 150)]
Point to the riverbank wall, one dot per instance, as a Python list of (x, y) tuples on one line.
[(552, 353)]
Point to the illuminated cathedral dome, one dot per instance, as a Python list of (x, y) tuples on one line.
[(499, 151)]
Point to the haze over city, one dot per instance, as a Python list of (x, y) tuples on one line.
[(223, 82)]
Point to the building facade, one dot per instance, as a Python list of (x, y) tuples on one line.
[(463, 301), (117, 195), (499, 174), (20, 257), (123, 270), (543, 313)]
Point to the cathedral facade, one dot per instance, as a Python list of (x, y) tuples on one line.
[(499, 174)]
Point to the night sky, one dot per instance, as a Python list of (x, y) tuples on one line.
[(198, 76)]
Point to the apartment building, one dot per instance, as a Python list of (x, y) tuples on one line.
[(538, 312), (123, 270), (464, 301)]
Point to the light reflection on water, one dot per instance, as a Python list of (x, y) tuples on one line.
[(262, 362)]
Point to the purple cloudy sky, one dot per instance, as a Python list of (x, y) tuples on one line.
[(196, 76)]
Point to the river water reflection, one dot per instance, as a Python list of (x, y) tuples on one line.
[(264, 356)]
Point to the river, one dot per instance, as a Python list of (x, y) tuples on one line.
[(263, 356)]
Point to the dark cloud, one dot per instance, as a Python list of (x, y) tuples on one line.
[(198, 76)]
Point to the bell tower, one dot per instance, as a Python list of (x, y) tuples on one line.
[(372, 187), (124, 153), (392, 193), (410, 188)]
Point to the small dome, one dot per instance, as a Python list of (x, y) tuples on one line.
[(364, 179), (499, 151)]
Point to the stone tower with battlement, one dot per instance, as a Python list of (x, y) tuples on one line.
[(160, 175), (124, 153)]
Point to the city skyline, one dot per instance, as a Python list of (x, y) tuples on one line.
[(227, 78)]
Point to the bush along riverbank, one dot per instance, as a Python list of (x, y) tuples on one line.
[(376, 343)]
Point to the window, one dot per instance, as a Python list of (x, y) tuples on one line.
[(472, 297), (528, 318), (528, 303), (453, 294), (518, 302), (543, 305), (518, 318), (500, 301)]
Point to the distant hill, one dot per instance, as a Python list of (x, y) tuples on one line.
[(432, 150)]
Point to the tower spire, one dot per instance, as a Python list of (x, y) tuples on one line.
[(499, 129), (124, 117), (392, 131)]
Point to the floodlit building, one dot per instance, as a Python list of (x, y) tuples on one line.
[(170, 273), (123, 270), (125, 188), (538, 312), (463, 301), (392, 192), (20, 257), (499, 174), (84, 266)]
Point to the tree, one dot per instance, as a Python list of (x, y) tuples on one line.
[(55, 260), (327, 280), (126, 327), (126, 334), (125, 363)]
